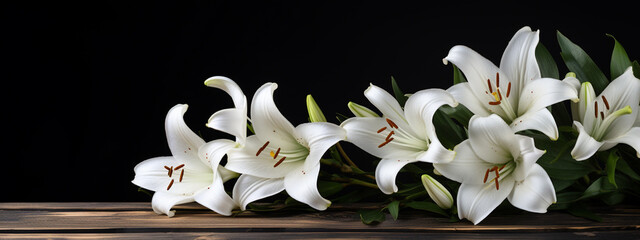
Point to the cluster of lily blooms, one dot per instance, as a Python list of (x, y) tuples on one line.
[(494, 163)]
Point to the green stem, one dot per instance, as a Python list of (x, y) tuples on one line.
[(355, 168), (415, 195), (354, 181), (346, 158), (363, 183)]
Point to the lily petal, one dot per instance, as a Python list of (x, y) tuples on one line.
[(529, 154), (319, 137), (519, 60), (362, 133), (386, 173), (540, 120), (245, 161), (543, 92), (535, 193), (183, 142), (422, 105), (212, 152), (490, 138), (231, 88), (587, 96), (386, 103), (585, 146), (621, 92), (436, 153), (466, 167), (631, 138), (232, 121), (162, 202), (477, 70), (249, 188), (151, 175), (268, 122), (477, 201), (463, 93), (215, 197), (301, 185)]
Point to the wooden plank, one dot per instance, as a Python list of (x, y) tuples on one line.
[(327, 235), (65, 218)]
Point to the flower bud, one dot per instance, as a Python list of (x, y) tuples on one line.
[(438, 193), (361, 111), (315, 114)]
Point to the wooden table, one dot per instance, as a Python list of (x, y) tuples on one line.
[(137, 220)]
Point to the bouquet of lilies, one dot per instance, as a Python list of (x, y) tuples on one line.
[(514, 131)]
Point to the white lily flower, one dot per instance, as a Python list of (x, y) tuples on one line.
[(515, 91), (494, 164), (191, 174), (400, 136), (608, 119), (280, 156)]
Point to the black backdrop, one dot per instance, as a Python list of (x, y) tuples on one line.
[(86, 86)]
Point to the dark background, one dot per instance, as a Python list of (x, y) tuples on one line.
[(86, 86)]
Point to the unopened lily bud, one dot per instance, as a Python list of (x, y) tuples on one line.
[(570, 74), (438, 193), (315, 114), (361, 111)]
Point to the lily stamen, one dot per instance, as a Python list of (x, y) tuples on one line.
[(486, 175), (276, 154), (508, 89), (178, 167), (382, 129), (385, 143), (389, 136), (181, 175), (262, 148), (391, 123), (279, 162), (170, 184), (606, 103)]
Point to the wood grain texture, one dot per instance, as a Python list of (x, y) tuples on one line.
[(137, 220)]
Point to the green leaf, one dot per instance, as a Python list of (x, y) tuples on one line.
[(449, 133), (624, 167), (328, 189), (427, 206), (613, 198), (619, 59), (636, 69), (460, 113), (557, 161), (548, 66), (458, 77), (394, 209), (579, 62), (612, 159), (580, 210), (371, 216), (597, 187), (397, 92), (145, 191)]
